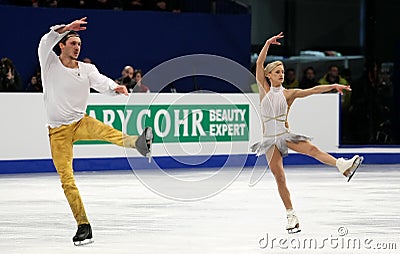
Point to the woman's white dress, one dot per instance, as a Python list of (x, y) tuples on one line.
[(274, 111)]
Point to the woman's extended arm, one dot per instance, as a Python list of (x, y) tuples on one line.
[(301, 93), (260, 76)]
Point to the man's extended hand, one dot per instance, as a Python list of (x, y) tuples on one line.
[(121, 90), (77, 25)]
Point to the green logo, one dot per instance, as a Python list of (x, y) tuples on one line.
[(177, 123)]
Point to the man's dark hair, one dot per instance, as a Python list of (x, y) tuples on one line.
[(69, 35), (64, 39)]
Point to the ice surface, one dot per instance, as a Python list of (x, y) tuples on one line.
[(127, 217)]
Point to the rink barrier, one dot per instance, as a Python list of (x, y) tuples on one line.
[(169, 163), (25, 146)]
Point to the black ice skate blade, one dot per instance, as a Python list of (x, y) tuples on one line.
[(84, 242), (293, 230), (357, 164)]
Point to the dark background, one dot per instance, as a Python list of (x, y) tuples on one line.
[(236, 30), (114, 39)]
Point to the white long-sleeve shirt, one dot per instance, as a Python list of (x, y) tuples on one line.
[(66, 90)]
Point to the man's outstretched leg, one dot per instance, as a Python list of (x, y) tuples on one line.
[(90, 128)]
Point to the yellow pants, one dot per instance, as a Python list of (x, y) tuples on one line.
[(61, 143)]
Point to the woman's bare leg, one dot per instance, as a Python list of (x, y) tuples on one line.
[(307, 148), (274, 158)]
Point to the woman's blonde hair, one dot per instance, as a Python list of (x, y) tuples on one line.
[(271, 66)]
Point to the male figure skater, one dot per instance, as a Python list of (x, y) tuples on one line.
[(66, 86)]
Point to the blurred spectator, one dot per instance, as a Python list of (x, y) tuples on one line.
[(127, 77), (77, 4), (290, 79), (35, 85), (364, 106), (176, 5), (160, 5), (101, 4), (347, 109), (308, 79), (10, 80), (87, 60), (346, 74), (385, 103), (332, 77), (153, 5), (38, 74), (134, 5), (138, 86), (45, 3)]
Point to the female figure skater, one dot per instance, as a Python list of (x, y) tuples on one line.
[(275, 104)]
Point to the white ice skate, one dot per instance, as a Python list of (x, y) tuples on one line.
[(293, 225), (349, 167)]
